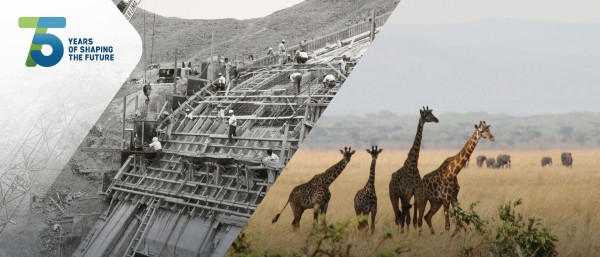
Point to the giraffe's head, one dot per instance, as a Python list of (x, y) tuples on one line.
[(427, 115), (483, 130), (374, 151), (347, 152)]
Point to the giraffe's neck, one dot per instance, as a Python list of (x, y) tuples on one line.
[(412, 160), (465, 153), (371, 181), (334, 171)]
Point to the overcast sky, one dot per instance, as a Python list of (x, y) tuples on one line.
[(480, 56), (203, 9), (413, 11), (443, 11)]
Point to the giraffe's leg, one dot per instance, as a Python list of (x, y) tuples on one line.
[(405, 213), (316, 211), (457, 229), (373, 214), (321, 206), (363, 223), (322, 211), (415, 213), (435, 206), (447, 215), (297, 210), (395, 198), (420, 204)]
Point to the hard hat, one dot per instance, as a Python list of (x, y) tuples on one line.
[(230, 111), (283, 40), (165, 113), (154, 139), (187, 109), (220, 74)]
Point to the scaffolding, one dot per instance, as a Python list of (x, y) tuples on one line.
[(195, 198)]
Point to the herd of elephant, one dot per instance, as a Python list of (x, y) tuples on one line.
[(501, 162), (566, 159)]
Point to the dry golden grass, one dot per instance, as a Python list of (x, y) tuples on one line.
[(567, 200)]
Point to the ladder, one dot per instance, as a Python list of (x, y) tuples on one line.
[(130, 9), (141, 230)]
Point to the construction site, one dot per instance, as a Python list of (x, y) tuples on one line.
[(194, 196)]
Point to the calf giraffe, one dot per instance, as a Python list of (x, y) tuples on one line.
[(405, 180), (365, 201), (440, 187), (315, 192)]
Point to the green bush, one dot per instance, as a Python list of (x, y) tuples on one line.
[(518, 236), (513, 235)]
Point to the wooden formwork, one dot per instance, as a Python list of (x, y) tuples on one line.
[(203, 178)]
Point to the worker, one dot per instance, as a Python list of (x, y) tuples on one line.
[(271, 157), (296, 78), (157, 147), (137, 115), (329, 81), (269, 52), (189, 114), (232, 126), (165, 124), (303, 46), (227, 70), (147, 90), (282, 53), (221, 83), (343, 64), (301, 57)]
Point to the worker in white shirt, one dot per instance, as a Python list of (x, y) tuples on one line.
[(232, 126), (221, 83), (271, 157), (296, 78), (157, 147), (329, 81), (282, 52)]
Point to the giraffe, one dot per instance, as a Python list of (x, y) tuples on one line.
[(405, 180), (440, 187), (315, 192), (365, 200)]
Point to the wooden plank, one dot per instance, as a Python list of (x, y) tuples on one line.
[(57, 205), (94, 149)]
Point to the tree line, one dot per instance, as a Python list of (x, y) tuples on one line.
[(576, 130)]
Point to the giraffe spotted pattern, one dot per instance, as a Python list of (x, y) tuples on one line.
[(315, 192)]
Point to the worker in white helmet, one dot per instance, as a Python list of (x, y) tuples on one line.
[(329, 81)]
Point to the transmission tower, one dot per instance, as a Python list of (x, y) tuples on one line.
[(44, 142)]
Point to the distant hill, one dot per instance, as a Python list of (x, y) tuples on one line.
[(388, 130), (306, 20), (519, 67)]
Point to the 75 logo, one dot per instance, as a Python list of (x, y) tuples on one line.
[(40, 38)]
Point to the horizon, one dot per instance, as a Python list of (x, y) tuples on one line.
[(383, 111)]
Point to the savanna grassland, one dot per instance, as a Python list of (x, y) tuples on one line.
[(566, 199)]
